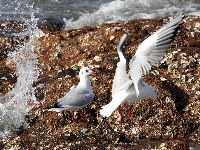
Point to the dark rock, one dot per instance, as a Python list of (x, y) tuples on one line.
[(51, 24)]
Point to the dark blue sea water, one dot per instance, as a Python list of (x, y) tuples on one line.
[(77, 13)]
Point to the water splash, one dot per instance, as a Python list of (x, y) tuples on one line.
[(16, 104)]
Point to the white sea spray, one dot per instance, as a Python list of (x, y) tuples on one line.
[(16, 104)]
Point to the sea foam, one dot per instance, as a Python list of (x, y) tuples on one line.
[(121, 11)]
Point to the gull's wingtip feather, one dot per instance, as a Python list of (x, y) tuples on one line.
[(121, 42)]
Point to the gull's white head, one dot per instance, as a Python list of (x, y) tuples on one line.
[(85, 71)]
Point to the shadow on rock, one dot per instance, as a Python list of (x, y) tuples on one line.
[(180, 98)]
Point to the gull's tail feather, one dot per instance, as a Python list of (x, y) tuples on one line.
[(56, 109), (108, 109), (137, 92)]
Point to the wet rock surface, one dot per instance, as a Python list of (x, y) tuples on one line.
[(173, 121)]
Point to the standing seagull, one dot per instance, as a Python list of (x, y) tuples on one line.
[(149, 52), (78, 97)]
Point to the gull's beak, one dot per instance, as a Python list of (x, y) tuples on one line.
[(93, 72)]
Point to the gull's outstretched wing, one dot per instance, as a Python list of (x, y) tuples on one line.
[(120, 73), (121, 48), (152, 50)]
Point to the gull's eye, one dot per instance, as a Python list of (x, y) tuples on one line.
[(86, 70)]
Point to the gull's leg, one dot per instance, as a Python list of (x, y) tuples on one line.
[(80, 113), (81, 116), (72, 116), (128, 111)]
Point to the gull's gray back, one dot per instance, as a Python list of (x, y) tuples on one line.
[(76, 97)]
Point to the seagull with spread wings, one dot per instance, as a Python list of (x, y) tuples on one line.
[(126, 90)]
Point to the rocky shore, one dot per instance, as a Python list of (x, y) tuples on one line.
[(172, 122)]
